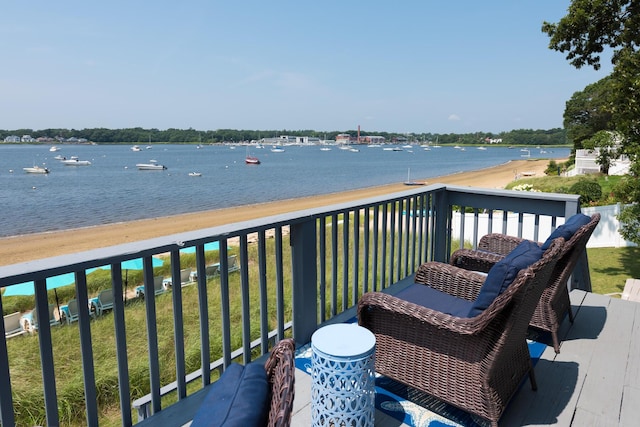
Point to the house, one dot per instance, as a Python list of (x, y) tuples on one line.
[(586, 163), (12, 139)]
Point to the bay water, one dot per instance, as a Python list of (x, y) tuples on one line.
[(113, 190)]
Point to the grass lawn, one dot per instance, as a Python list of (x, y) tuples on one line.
[(611, 267)]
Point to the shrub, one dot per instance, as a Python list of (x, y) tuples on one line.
[(589, 191)]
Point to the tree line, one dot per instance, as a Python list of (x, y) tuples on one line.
[(181, 136)]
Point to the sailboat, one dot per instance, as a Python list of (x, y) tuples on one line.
[(409, 182), (251, 160)]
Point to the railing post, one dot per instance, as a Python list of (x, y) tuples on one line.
[(442, 225), (580, 279), (304, 278)]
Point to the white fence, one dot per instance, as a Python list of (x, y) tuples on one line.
[(605, 235)]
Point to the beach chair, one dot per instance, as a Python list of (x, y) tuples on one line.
[(232, 264), (13, 326), (30, 320), (430, 337), (158, 287), (186, 278), (101, 303), (554, 302), (71, 313)]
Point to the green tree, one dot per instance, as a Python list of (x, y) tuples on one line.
[(590, 27)]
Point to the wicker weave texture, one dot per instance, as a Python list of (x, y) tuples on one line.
[(280, 367), (474, 363), (554, 302)]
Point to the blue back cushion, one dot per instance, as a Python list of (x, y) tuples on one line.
[(503, 273), (432, 298), (568, 229), (239, 398)]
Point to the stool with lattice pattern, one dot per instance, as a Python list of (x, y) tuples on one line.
[(343, 376)]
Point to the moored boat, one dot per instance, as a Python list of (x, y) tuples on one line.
[(136, 148), (36, 169), (250, 160), (74, 161), (150, 166), (195, 174)]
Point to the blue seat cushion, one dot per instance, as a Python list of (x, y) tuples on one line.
[(568, 229), (503, 273), (239, 398), (434, 299)]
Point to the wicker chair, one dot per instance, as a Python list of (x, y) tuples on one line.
[(554, 302), (280, 367), (476, 363)]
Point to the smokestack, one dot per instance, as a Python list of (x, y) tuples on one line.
[(358, 134)]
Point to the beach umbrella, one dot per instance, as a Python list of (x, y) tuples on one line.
[(212, 246), (132, 264), (28, 288)]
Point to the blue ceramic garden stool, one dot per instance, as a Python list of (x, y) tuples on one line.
[(343, 376)]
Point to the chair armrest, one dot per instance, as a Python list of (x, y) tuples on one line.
[(469, 259), (498, 243), (452, 280), (379, 311)]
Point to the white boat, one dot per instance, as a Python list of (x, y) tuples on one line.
[(150, 166), (482, 148), (36, 169), (277, 150), (195, 174), (136, 148), (325, 149), (54, 148), (74, 161), (60, 157)]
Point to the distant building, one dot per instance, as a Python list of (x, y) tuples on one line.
[(374, 139), (343, 138), (586, 163), (12, 139), (27, 138)]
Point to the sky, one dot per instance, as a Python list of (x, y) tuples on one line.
[(421, 66)]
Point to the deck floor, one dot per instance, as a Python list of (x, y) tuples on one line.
[(594, 381)]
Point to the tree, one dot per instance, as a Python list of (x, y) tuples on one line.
[(589, 111), (590, 27)]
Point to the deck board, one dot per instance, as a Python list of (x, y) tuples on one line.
[(594, 381)]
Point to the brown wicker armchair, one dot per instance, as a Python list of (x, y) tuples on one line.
[(474, 363), (281, 368), (554, 302)]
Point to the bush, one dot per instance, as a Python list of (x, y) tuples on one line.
[(589, 191)]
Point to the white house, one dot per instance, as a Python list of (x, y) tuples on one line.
[(12, 138)]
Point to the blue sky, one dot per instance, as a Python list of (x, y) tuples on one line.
[(408, 66)]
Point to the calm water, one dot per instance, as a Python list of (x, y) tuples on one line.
[(113, 190)]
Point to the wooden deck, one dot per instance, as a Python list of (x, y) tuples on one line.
[(594, 381)]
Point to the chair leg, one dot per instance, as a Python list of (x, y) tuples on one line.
[(532, 377), (556, 341), (570, 313)]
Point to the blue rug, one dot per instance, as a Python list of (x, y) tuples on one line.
[(413, 407)]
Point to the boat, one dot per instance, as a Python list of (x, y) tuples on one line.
[(151, 166), (136, 148), (409, 182), (54, 148), (36, 169), (277, 150), (325, 149), (195, 174), (74, 161), (251, 160), (354, 150), (60, 157), (482, 148)]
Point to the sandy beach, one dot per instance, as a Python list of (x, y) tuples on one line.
[(43, 245)]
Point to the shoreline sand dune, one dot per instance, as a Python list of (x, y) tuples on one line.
[(44, 245)]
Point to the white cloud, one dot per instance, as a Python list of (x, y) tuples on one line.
[(454, 118)]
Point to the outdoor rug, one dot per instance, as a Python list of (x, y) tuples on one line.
[(416, 408)]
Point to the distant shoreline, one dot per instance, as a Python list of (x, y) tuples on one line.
[(30, 247)]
